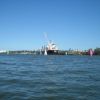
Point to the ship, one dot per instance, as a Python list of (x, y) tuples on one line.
[(51, 49)]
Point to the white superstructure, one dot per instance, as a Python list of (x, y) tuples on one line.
[(51, 46)]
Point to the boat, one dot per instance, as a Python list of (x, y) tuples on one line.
[(45, 52), (90, 52), (51, 49)]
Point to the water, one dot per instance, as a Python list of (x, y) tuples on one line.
[(29, 77)]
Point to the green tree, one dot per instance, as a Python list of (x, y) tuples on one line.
[(97, 51)]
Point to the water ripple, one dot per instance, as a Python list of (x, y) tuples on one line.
[(28, 77)]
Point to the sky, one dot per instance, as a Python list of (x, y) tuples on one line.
[(68, 23)]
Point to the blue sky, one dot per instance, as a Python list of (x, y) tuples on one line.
[(69, 23)]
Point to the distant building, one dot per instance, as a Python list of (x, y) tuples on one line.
[(3, 51)]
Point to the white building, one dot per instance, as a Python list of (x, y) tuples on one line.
[(3, 51)]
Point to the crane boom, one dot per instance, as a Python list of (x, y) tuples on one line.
[(46, 37)]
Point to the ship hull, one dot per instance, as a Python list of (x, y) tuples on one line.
[(55, 52)]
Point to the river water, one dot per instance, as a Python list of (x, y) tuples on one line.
[(29, 77)]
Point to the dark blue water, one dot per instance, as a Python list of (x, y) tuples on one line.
[(28, 77)]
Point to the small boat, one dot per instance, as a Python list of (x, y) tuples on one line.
[(91, 52), (45, 52)]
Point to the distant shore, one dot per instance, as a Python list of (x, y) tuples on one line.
[(66, 52)]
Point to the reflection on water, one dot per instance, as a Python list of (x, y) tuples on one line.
[(29, 77)]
